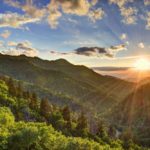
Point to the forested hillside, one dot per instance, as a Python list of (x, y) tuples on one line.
[(81, 85), (75, 101), (27, 122)]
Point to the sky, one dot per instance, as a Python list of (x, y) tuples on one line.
[(114, 32)]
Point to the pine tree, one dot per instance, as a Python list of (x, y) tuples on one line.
[(82, 122), (33, 102), (19, 90), (112, 131), (66, 113), (67, 116), (12, 89), (45, 108), (101, 132)]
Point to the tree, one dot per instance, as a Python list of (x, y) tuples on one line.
[(19, 90), (12, 89), (82, 125), (66, 113), (33, 102), (6, 117), (45, 108), (101, 132), (112, 131)]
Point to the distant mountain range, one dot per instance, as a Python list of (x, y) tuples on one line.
[(111, 68)]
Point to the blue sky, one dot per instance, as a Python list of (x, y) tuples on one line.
[(48, 33)]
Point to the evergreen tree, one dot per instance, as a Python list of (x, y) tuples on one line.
[(82, 125), (101, 132), (33, 102), (45, 108), (11, 87), (112, 131), (19, 90), (66, 113)]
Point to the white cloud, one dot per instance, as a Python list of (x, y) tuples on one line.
[(148, 21), (5, 34), (127, 42), (96, 14), (141, 45), (15, 20), (28, 8), (78, 7), (52, 12), (94, 2), (120, 3), (22, 48), (12, 43), (117, 48), (129, 15), (1, 44), (146, 2), (123, 36)]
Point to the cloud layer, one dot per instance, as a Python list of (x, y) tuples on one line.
[(55, 9)]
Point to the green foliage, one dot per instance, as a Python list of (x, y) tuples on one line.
[(31, 134), (6, 117), (39, 136)]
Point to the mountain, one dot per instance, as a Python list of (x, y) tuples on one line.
[(79, 84)]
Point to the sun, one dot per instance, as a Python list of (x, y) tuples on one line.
[(142, 64)]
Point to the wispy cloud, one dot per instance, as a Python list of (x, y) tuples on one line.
[(5, 34), (146, 2), (123, 36), (15, 20), (129, 13), (22, 48), (141, 45)]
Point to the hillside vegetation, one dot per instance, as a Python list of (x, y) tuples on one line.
[(82, 85), (27, 122)]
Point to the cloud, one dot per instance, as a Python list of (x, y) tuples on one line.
[(28, 7), (53, 18), (12, 43), (146, 2), (97, 14), (5, 34), (127, 42), (78, 7), (22, 48), (123, 36), (129, 15), (81, 42), (1, 44), (141, 45), (94, 2), (90, 51), (120, 3), (56, 8), (15, 20), (148, 21), (117, 48), (94, 51)]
